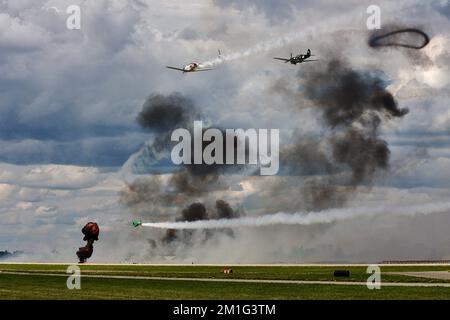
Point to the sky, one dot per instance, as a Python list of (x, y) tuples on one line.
[(70, 143)]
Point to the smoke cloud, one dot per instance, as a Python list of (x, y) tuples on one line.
[(185, 186), (305, 218), (352, 105), (197, 212), (327, 169), (307, 31), (164, 113), (319, 173)]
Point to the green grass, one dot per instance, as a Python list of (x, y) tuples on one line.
[(315, 273), (54, 287), (45, 287)]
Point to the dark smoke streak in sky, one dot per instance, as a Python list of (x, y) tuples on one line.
[(388, 39)]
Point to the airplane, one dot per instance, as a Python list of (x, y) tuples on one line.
[(136, 223), (192, 67), (298, 58)]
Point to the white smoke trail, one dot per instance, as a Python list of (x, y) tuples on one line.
[(303, 218), (310, 31), (259, 48)]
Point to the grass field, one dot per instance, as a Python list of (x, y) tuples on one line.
[(32, 285)]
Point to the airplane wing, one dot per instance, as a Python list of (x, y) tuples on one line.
[(179, 69), (282, 59), (309, 60), (202, 70)]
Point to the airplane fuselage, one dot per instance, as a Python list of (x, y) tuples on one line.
[(190, 67), (298, 59)]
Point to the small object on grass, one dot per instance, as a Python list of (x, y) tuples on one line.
[(341, 273), (227, 270)]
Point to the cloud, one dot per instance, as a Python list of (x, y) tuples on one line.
[(17, 35), (69, 101), (50, 176)]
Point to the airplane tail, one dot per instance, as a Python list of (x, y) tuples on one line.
[(308, 53)]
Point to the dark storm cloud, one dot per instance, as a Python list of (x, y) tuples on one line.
[(99, 151), (60, 102), (30, 134)]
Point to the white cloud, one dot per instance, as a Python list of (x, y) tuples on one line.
[(18, 35), (50, 176)]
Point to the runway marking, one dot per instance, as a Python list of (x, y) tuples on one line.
[(300, 282), (438, 275)]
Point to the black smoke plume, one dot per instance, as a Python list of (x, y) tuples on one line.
[(353, 104), (182, 188), (344, 94), (165, 113), (196, 211), (224, 210), (160, 115)]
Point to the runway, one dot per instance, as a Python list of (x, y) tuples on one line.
[(297, 282)]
